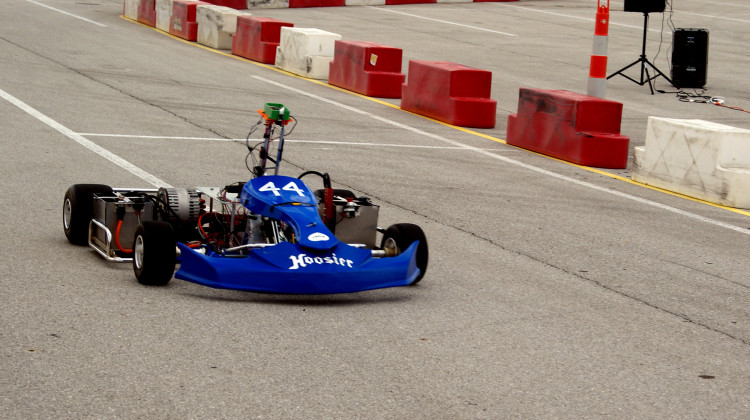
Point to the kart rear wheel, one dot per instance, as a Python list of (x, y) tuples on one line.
[(154, 253), (400, 236), (78, 210)]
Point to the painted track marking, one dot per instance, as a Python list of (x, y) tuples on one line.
[(117, 160), (67, 13), (572, 16), (242, 140), (442, 21)]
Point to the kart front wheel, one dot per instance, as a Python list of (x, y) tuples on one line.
[(400, 236), (154, 253), (78, 210)]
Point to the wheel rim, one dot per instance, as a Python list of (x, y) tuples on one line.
[(390, 244), (67, 213), (138, 252)]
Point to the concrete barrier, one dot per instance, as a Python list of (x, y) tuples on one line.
[(365, 2), (306, 52), (257, 38), (182, 23), (147, 12), (234, 4), (449, 92), (267, 4), (292, 4), (701, 159), (216, 25), (316, 3), (574, 127), (396, 2), (130, 9), (367, 68), (163, 14)]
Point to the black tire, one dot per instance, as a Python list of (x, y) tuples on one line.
[(78, 210), (400, 236), (154, 253)]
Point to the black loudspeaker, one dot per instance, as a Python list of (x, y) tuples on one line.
[(689, 58), (645, 6)]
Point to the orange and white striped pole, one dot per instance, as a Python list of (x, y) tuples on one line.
[(598, 67)]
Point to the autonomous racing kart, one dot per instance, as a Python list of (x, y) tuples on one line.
[(269, 234)]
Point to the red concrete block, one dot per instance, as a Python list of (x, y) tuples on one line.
[(367, 68), (450, 92), (147, 12), (182, 23), (574, 127), (316, 3), (234, 4), (257, 38)]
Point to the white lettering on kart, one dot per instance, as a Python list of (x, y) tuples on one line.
[(290, 187), (318, 237), (303, 260)]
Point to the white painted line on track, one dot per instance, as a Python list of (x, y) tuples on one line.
[(443, 21), (242, 140), (509, 160), (133, 136), (724, 3), (717, 17), (593, 12), (67, 13), (85, 142)]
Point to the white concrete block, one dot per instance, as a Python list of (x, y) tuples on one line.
[(216, 25), (267, 4), (701, 159), (307, 52), (163, 13), (130, 9)]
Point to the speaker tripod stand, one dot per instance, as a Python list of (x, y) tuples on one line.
[(645, 64)]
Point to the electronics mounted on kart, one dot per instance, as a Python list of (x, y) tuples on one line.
[(269, 234), (276, 112)]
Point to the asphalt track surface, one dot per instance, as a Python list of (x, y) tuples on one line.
[(553, 291)]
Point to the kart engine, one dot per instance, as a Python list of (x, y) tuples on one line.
[(183, 203)]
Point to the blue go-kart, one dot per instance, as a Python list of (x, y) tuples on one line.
[(271, 234)]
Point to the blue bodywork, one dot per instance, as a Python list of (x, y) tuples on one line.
[(317, 263)]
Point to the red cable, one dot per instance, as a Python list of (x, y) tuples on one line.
[(117, 239), (732, 107)]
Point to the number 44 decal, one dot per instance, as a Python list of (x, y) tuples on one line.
[(291, 187)]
